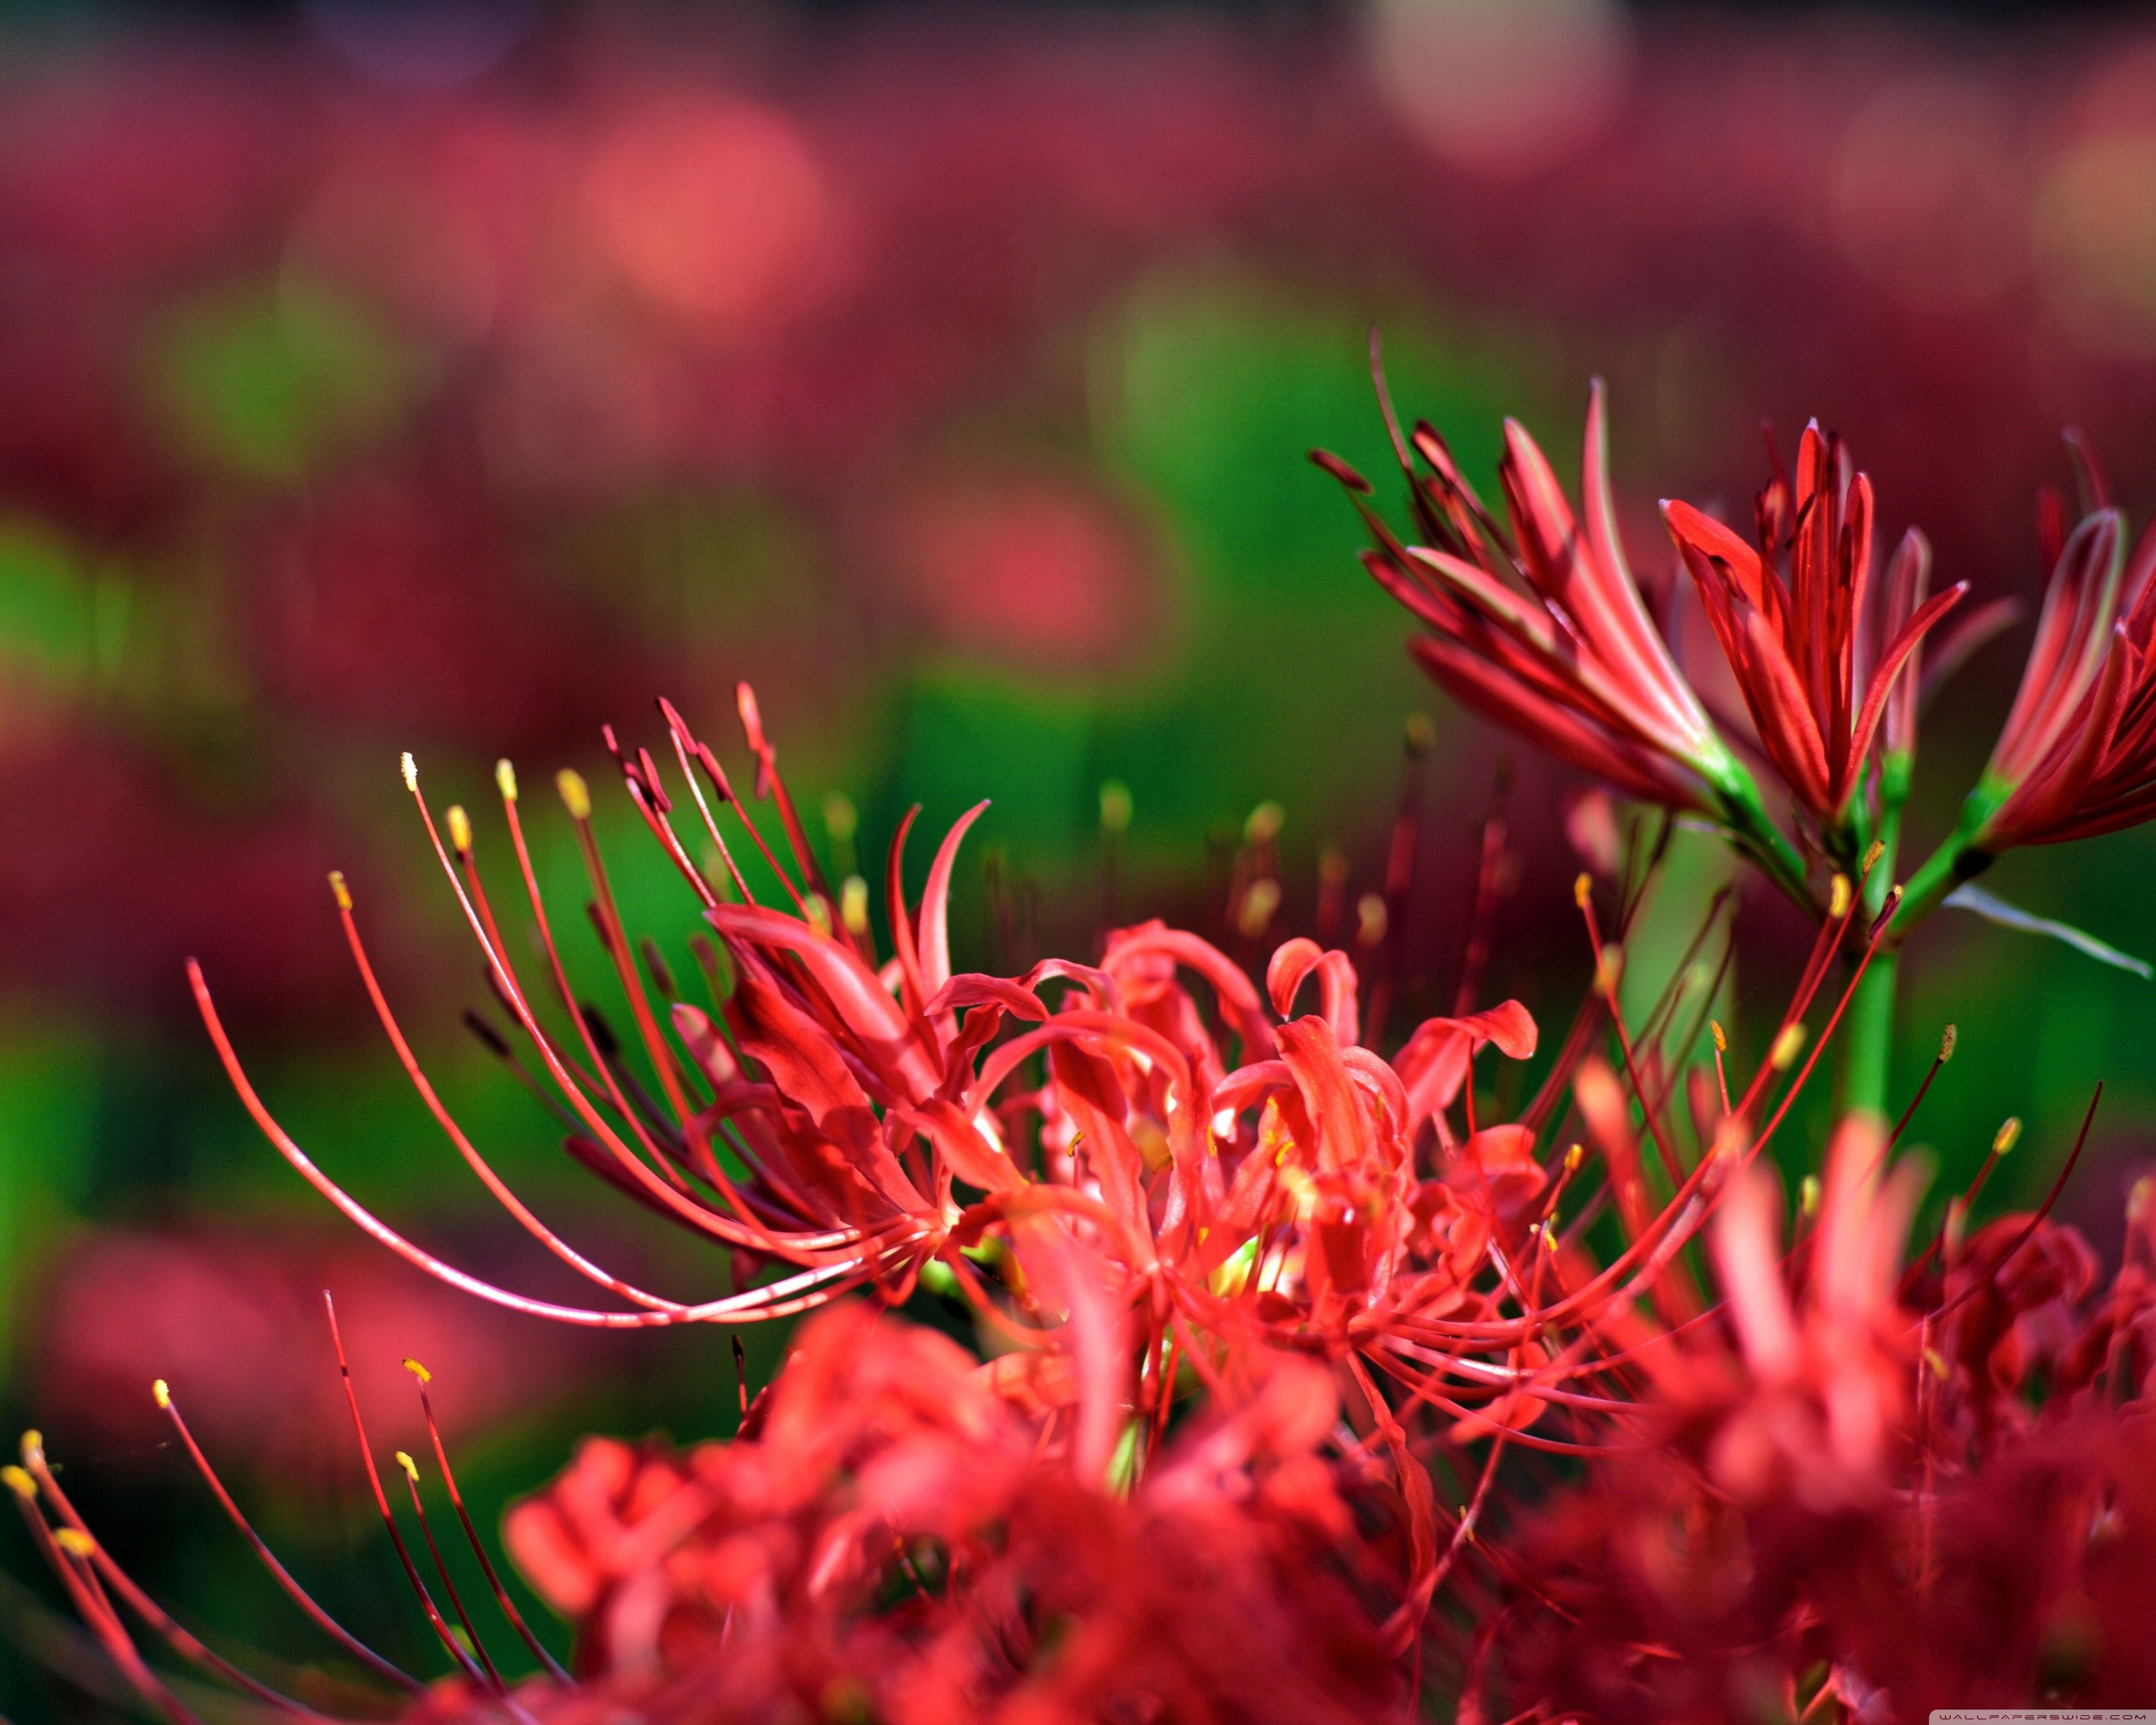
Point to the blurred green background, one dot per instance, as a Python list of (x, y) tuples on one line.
[(458, 379)]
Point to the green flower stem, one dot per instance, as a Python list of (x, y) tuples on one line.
[(1867, 1039), (1865, 1058), (1959, 858)]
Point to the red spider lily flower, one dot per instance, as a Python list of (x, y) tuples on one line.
[(1545, 630), (2078, 754), (1801, 648), (1833, 1378), (885, 1528), (1274, 1318), (831, 1153)]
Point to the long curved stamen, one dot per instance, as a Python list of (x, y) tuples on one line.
[(509, 1610), (299, 1595), (67, 1553), (677, 730), (411, 1472), (744, 1232), (183, 1642), (479, 1165), (781, 1299), (441, 1629)]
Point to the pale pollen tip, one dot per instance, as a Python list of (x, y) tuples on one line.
[(575, 795), (504, 778), (1610, 968), (73, 1541), (411, 1467), (411, 769), (19, 1482), (853, 906), (1721, 1036), (162, 1392), (339, 890), (1807, 1195), (34, 1447), (418, 1371), (460, 833), (1784, 1055), (2008, 1135), (819, 913), (1838, 897), (1946, 1043)]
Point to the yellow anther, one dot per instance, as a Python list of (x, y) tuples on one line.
[(1573, 1157), (841, 820), (1872, 852), (418, 1371), (162, 1393), (575, 795), (1721, 1036), (1787, 1045), (19, 1482), (1838, 897), (854, 905), (1370, 919), (34, 1448), (1940, 1369), (1583, 889), (411, 1467), (1807, 1195), (1421, 735), (504, 780), (410, 768), (1946, 1044), (2008, 1135), (1115, 807), (1609, 969), (1264, 823), (460, 830), (338, 891), (1259, 903), (73, 1541), (819, 912)]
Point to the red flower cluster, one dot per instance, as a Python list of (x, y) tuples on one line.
[(1282, 1341), (1548, 632), (882, 1541)]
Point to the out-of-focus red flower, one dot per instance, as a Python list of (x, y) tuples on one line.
[(884, 1532), (1029, 571), (232, 1318)]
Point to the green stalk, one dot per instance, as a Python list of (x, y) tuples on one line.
[(1959, 858), (1867, 1039), (1865, 1058)]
